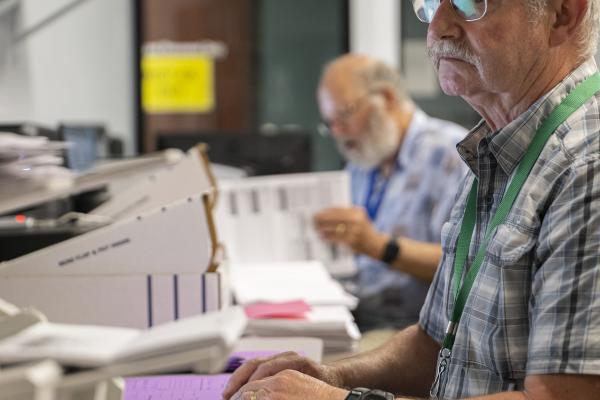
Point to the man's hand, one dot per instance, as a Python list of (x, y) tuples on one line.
[(289, 385), (261, 368), (352, 227)]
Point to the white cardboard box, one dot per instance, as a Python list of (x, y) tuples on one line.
[(137, 272)]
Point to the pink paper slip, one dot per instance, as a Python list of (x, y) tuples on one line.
[(288, 310)]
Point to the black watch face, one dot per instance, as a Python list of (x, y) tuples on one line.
[(374, 396)]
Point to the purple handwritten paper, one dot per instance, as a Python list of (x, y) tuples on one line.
[(185, 387), (176, 387)]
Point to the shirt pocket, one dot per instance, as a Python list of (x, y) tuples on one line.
[(511, 246), (449, 236)]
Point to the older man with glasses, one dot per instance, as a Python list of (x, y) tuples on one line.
[(514, 309), (404, 172)]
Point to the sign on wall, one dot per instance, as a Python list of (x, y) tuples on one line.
[(179, 77)]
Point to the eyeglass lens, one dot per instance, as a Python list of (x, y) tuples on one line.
[(469, 10)]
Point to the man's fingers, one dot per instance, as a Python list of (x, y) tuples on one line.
[(258, 368), (333, 215), (240, 377), (275, 365)]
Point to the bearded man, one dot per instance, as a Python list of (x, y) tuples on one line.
[(404, 173)]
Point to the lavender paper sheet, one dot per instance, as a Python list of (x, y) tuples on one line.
[(185, 387)]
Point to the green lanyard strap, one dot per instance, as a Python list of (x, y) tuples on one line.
[(572, 102)]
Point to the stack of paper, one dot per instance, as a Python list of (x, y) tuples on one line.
[(200, 343), (31, 162), (333, 324), (287, 281), (329, 317)]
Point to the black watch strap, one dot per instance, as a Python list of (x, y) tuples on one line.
[(361, 393), (391, 251), (356, 393)]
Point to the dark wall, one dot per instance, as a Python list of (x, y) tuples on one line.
[(295, 39)]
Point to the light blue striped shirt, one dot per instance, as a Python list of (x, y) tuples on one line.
[(416, 203)]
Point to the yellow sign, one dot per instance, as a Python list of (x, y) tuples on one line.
[(178, 83)]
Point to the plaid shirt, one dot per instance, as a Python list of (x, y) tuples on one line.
[(535, 306)]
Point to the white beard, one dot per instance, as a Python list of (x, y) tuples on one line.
[(380, 142)]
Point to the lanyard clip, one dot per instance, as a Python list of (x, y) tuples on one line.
[(451, 328)]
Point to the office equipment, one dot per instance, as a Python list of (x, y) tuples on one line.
[(257, 154), (135, 273), (131, 246), (210, 337), (99, 177), (29, 163), (269, 219), (157, 262), (191, 175), (86, 145)]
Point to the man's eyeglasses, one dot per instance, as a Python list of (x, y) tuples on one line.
[(341, 116), (469, 10)]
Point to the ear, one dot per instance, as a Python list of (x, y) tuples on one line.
[(389, 96), (567, 17)]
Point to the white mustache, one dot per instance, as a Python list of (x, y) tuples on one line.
[(446, 48)]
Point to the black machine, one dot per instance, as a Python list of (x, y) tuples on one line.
[(257, 154)]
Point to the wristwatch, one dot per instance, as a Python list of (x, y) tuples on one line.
[(361, 393), (391, 251)]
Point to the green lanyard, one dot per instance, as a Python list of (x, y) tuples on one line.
[(572, 102)]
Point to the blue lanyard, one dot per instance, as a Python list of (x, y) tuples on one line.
[(377, 188)]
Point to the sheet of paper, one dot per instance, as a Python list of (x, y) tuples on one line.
[(287, 309), (186, 387), (179, 387), (270, 218), (270, 282)]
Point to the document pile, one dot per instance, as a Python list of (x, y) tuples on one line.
[(31, 162), (327, 314), (333, 324), (200, 343)]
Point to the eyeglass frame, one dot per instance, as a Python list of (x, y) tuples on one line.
[(454, 10), (343, 115)]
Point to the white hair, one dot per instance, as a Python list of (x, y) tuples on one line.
[(587, 36), (379, 74)]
